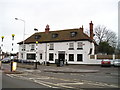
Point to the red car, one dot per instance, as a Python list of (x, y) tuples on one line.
[(105, 62)]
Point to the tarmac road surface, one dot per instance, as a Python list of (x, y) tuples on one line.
[(8, 82), (105, 77)]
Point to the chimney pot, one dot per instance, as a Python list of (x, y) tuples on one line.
[(91, 30), (81, 28), (47, 29)]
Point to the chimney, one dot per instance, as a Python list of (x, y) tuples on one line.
[(47, 29), (91, 30), (81, 28)]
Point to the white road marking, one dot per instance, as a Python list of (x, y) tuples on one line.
[(71, 83), (9, 75), (43, 84), (74, 74), (58, 85), (99, 83), (16, 76), (41, 78), (49, 84), (32, 70)]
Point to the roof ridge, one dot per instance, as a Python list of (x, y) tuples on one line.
[(60, 30), (67, 29)]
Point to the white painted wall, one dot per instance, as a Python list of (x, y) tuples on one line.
[(60, 46)]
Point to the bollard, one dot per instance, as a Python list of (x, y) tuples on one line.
[(36, 65), (0, 65), (13, 66)]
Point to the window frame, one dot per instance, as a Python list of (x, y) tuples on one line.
[(51, 46), (80, 46), (80, 58), (71, 57), (31, 56), (71, 46), (21, 55), (32, 47), (41, 56), (55, 35), (73, 34), (23, 47), (51, 58)]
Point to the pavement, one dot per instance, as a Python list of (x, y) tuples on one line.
[(21, 68), (53, 68)]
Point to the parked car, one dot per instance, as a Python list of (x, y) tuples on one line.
[(116, 62), (6, 60), (105, 62)]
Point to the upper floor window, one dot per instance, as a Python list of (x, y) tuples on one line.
[(23, 47), (73, 34), (32, 47), (71, 46), (80, 45), (51, 46)]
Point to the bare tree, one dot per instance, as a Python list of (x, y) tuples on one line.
[(103, 34)]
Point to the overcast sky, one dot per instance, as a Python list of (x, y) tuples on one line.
[(59, 14)]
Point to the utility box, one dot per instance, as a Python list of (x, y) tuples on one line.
[(59, 62)]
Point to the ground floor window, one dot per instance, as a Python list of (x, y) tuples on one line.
[(41, 56), (31, 56), (79, 57), (22, 55), (51, 56), (71, 57)]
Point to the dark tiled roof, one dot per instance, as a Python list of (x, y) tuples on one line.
[(63, 35)]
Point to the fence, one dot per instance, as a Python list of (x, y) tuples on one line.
[(104, 56)]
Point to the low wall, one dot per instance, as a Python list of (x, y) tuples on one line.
[(96, 59)]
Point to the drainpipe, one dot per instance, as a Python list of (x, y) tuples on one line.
[(46, 55)]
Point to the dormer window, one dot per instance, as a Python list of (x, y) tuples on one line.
[(37, 37), (54, 35), (73, 34)]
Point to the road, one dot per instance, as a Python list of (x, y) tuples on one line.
[(107, 77), (0, 79), (8, 82)]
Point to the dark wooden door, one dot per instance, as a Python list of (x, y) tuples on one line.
[(61, 56)]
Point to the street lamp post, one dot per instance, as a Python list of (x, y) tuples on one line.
[(37, 37), (13, 35), (1, 47), (1, 53), (23, 34), (36, 54)]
